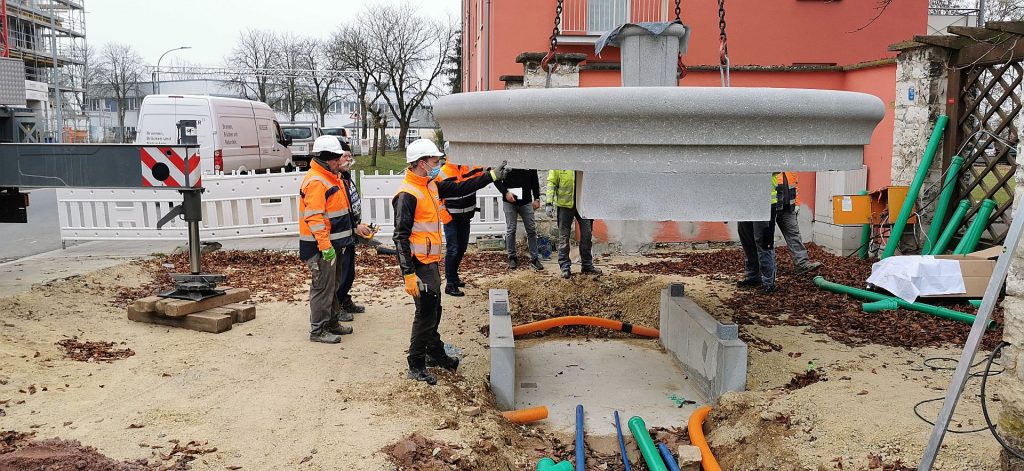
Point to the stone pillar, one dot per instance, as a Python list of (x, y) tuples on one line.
[(1010, 385), (566, 74), (921, 81), (652, 61)]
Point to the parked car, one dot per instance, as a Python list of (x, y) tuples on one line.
[(302, 136), (233, 135), (345, 135)]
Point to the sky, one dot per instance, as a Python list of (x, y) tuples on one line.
[(211, 27)]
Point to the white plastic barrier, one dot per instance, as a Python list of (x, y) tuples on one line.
[(234, 207)]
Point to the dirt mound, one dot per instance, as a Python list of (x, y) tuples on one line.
[(627, 298), (87, 351), (418, 453), (56, 455)]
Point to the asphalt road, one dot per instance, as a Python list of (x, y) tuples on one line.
[(40, 234)]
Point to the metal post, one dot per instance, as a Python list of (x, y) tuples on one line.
[(988, 304), (156, 72), (56, 77), (981, 13)]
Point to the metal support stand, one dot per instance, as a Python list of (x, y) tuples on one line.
[(195, 285), (988, 304)]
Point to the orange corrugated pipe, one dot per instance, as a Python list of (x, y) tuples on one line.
[(584, 320), (525, 416), (695, 427)]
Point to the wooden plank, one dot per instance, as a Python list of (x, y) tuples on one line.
[(985, 54), (147, 304), (202, 322), (1013, 27), (945, 41), (238, 312), (977, 34), (181, 307)]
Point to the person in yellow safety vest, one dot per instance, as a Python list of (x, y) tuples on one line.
[(561, 195), (787, 210), (325, 229), (758, 241), (456, 233), (418, 219)]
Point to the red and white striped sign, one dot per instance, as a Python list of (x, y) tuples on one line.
[(164, 166)]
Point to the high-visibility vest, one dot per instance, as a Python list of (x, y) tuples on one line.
[(465, 204), (562, 188), (425, 239), (785, 189), (325, 218)]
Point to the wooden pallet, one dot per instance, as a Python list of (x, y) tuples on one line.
[(215, 315)]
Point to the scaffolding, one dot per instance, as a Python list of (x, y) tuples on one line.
[(49, 36)]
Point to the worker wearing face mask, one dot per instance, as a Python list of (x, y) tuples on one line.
[(419, 217)]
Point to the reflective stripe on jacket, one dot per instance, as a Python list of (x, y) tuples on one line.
[(562, 188), (785, 189), (465, 204), (325, 218), (425, 238)]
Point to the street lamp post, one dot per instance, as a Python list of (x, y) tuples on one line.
[(156, 71)]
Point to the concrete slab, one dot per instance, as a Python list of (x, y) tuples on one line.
[(707, 197), (632, 376)]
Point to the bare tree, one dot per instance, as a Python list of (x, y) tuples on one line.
[(410, 53), (255, 52), (294, 96), (350, 49), (121, 69), (319, 67)]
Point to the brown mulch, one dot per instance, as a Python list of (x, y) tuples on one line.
[(805, 379), (798, 302), (19, 452), (80, 350)]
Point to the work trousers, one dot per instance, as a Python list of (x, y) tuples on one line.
[(456, 239), (565, 218), (347, 275), (323, 301), (526, 213), (789, 225), (758, 241), (425, 339)]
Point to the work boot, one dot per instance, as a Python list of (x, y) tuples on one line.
[(453, 290), (537, 265), (566, 273), (748, 283), (460, 284), (591, 271), (338, 329), (418, 372), (344, 316), (448, 363), (324, 337), (350, 306), (807, 267), (513, 264), (768, 289)]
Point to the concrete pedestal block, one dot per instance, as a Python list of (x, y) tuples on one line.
[(709, 351), (840, 240), (707, 197), (502, 350)]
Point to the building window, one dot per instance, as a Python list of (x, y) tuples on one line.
[(605, 15), (131, 104)]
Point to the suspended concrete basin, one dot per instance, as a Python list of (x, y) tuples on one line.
[(690, 130)]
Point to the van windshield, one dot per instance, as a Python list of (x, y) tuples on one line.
[(298, 133)]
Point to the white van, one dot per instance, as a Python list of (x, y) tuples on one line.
[(234, 134)]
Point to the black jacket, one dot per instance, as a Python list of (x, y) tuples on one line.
[(405, 215), (520, 178)]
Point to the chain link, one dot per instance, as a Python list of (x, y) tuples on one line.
[(723, 39), (679, 12), (558, 23)]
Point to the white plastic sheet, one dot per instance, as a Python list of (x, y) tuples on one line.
[(910, 276)]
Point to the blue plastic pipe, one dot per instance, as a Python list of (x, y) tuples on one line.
[(666, 456), (580, 447), (622, 442)]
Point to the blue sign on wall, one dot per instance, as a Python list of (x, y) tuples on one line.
[(910, 94)]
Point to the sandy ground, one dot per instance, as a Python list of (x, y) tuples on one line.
[(266, 398)]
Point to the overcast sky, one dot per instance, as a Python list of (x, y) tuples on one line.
[(211, 27)]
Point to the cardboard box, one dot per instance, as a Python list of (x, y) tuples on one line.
[(976, 268)]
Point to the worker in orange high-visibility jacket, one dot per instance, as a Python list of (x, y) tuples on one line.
[(325, 228), (786, 217), (456, 232), (419, 216)]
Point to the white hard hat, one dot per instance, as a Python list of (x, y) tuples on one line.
[(421, 148), (327, 144)]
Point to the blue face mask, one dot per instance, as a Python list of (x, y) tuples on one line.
[(432, 174)]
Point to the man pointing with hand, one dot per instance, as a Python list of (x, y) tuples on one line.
[(419, 218)]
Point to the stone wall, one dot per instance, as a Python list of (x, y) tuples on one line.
[(1010, 386)]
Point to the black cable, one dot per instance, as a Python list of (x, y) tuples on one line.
[(980, 374), (984, 406)]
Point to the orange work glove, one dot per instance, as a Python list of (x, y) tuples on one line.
[(411, 286)]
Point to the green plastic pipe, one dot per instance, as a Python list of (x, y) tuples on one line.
[(915, 187), (865, 236), (919, 307), (879, 306), (974, 302), (646, 445), (548, 464), (945, 197), (977, 228), (951, 227)]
